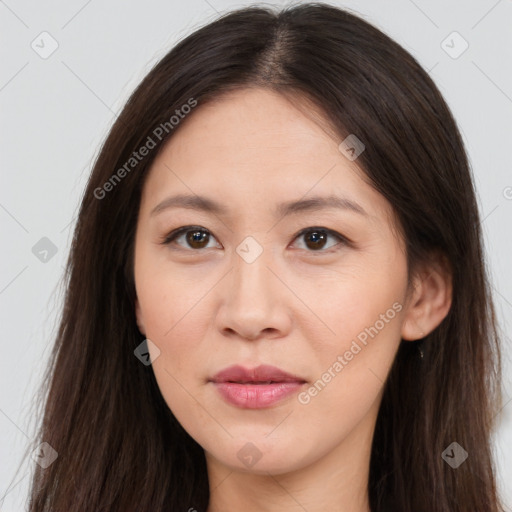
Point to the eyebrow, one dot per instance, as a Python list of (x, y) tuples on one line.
[(312, 204)]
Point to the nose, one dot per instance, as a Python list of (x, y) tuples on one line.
[(253, 301)]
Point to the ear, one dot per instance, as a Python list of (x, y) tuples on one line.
[(139, 317), (430, 298)]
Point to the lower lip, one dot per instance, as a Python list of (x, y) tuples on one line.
[(256, 396)]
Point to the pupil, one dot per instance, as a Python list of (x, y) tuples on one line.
[(196, 237), (317, 237)]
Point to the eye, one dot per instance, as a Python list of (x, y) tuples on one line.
[(316, 239), (196, 237)]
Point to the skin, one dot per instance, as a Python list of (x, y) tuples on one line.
[(294, 307)]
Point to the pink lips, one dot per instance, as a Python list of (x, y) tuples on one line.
[(255, 388)]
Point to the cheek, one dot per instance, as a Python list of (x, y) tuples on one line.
[(351, 371), (167, 297), (175, 319), (364, 316), (171, 308), (361, 306)]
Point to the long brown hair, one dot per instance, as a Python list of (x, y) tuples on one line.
[(119, 446)]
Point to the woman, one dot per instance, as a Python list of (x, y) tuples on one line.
[(277, 297)]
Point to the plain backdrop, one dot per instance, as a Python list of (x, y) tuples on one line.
[(67, 69)]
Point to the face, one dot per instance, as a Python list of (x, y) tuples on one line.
[(317, 290)]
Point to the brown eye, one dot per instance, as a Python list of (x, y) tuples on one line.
[(195, 237), (315, 239)]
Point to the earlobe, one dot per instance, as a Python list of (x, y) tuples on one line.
[(430, 300), (138, 316)]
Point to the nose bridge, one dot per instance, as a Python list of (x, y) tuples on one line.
[(251, 300), (250, 273)]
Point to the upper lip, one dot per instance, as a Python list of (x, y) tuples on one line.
[(262, 373)]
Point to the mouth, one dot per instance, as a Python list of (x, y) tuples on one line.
[(255, 388), (254, 382)]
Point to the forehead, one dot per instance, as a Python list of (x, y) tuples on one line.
[(254, 147), (252, 122)]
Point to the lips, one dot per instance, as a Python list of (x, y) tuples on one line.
[(263, 374), (255, 388)]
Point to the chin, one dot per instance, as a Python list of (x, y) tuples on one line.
[(260, 455)]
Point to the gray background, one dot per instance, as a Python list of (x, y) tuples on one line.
[(55, 111)]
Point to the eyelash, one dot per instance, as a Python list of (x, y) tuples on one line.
[(173, 235)]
